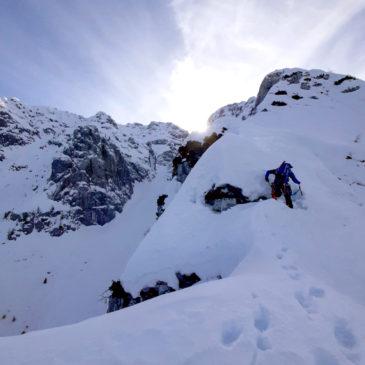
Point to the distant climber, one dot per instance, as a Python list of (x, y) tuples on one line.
[(118, 298), (281, 182)]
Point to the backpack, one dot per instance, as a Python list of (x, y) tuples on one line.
[(284, 170)]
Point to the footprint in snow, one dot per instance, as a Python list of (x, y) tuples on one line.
[(231, 332), (316, 292), (343, 334), (281, 253), (292, 271), (346, 338), (306, 300), (262, 323), (262, 319), (263, 343)]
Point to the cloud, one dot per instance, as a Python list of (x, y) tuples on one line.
[(230, 46), (175, 60), (88, 56)]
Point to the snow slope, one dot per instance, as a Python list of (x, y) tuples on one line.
[(77, 266), (292, 288)]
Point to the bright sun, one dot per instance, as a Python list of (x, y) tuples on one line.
[(197, 91)]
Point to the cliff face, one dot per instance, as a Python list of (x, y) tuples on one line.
[(86, 167)]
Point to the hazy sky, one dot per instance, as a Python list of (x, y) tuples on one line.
[(177, 61)]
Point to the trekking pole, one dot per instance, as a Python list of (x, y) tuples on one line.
[(300, 190)]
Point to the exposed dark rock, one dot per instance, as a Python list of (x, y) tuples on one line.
[(305, 86), (15, 167), (54, 143), (267, 83), (27, 222), (297, 97), (93, 176), (316, 84), (12, 235), (351, 89), (281, 92), (150, 292), (278, 103), (118, 298), (322, 76), (163, 288), (49, 130), (105, 120), (225, 196), (187, 280), (12, 133), (161, 205), (345, 78), (314, 97), (294, 77), (190, 154)]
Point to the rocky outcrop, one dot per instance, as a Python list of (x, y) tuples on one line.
[(190, 154), (89, 165), (267, 83), (187, 280), (226, 196), (54, 222), (343, 79), (13, 133), (160, 205), (119, 298), (92, 177)]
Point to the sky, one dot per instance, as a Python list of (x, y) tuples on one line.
[(168, 60)]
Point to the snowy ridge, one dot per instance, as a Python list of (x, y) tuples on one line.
[(292, 279)]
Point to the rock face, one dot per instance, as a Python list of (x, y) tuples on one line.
[(267, 83), (93, 177), (161, 205), (12, 133), (190, 153), (120, 299), (226, 196), (85, 167), (51, 221)]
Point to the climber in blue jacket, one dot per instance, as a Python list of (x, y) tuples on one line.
[(281, 182)]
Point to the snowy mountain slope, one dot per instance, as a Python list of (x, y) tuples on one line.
[(237, 320), (315, 135), (45, 280), (292, 280)]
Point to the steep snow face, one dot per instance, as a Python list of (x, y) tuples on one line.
[(61, 172), (320, 134), (292, 279)]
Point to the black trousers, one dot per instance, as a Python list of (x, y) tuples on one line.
[(279, 189)]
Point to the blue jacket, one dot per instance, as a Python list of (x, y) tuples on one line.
[(282, 174)]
